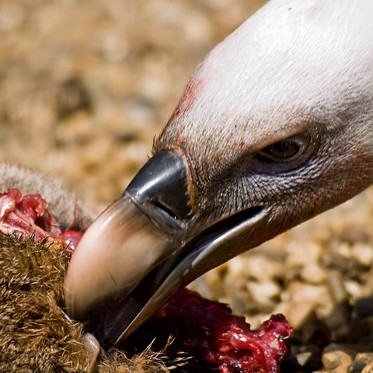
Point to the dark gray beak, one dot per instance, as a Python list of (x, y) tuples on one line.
[(148, 245)]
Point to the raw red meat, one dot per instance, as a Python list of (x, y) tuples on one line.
[(29, 216), (71, 237), (208, 330)]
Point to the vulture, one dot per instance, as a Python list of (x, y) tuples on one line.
[(274, 127)]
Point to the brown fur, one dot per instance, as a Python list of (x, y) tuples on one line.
[(35, 333)]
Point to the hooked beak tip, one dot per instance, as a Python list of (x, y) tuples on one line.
[(111, 258)]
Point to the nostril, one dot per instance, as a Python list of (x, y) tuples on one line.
[(165, 209)]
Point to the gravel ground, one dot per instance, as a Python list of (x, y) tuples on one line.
[(86, 85)]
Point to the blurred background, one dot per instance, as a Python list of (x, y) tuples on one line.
[(85, 85)]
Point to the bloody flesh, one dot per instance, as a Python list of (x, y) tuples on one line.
[(28, 216), (209, 331)]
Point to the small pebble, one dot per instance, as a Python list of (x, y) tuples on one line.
[(303, 358), (264, 293), (362, 253), (366, 357), (336, 359), (298, 313), (336, 286), (368, 368), (313, 273), (261, 268)]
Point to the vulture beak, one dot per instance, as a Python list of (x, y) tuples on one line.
[(274, 127), (149, 244)]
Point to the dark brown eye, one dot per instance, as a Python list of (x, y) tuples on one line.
[(285, 151), (281, 150)]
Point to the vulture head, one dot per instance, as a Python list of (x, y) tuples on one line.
[(274, 127)]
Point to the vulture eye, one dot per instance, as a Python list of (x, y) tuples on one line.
[(287, 154), (284, 150)]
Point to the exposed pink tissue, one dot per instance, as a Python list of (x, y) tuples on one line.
[(71, 237), (28, 216)]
